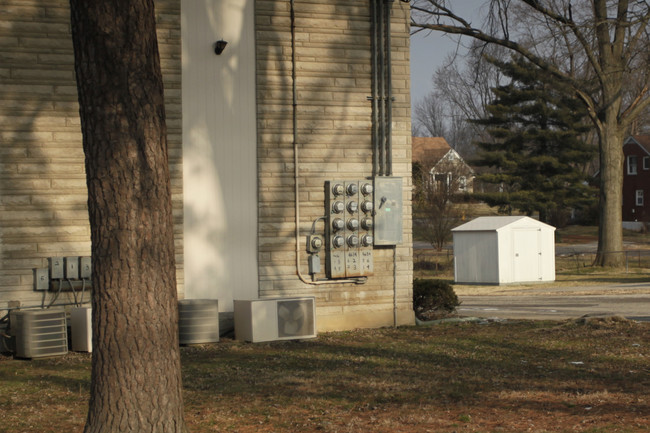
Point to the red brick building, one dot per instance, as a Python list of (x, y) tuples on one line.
[(636, 181)]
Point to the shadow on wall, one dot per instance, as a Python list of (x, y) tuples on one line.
[(239, 151), (42, 182)]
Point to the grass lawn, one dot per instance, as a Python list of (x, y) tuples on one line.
[(498, 377)]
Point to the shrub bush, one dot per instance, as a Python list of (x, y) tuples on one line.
[(433, 296)]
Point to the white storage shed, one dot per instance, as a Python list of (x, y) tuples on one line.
[(502, 250)]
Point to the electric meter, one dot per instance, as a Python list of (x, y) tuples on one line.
[(314, 244), (349, 227)]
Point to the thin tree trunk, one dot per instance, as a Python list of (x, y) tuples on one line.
[(136, 380)]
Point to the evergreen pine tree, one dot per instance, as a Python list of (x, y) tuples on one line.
[(537, 152)]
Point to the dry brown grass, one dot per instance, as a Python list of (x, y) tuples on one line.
[(499, 377)]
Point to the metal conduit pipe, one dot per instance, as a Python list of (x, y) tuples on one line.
[(296, 173), (389, 93), (374, 47), (382, 86)]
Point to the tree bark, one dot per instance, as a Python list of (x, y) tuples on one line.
[(136, 379), (610, 230)]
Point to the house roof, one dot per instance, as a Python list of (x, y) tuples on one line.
[(429, 150), (641, 140), (496, 223)]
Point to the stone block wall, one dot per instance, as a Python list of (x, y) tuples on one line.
[(43, 211), (333, 81)]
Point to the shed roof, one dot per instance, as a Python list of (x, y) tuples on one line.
[(495, 223)]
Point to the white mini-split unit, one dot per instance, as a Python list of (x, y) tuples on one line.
[(40, 333), (275, 319)]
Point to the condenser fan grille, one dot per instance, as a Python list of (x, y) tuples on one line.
[(295, 318), (273, 319)]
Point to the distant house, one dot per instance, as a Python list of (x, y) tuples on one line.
[(446, 168), (636, 182)]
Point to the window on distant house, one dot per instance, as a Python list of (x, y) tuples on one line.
[(442, 181), (646, 162), (639, 197), (631, 164), (462, 183)]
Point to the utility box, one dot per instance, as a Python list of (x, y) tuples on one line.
[(503, 250), (81, 332), (348, 228), (198, 321), (388, 210), (273, 319), (40, 333)]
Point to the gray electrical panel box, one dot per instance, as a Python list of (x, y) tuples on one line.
[(348, 238), (388, 210), (85, 267), (56, 268)]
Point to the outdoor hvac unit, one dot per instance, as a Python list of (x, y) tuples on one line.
[(40, 333), (275, 319), (81, 332), (198, 321)]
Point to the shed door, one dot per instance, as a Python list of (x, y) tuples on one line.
[(527, 255)]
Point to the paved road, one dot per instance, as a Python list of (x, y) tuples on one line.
[(635, 306)]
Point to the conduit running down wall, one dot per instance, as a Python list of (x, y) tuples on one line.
[(382, 90), (381, 99)]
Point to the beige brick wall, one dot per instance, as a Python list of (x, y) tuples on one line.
[(334, 137), (43, 193), (42, 183)]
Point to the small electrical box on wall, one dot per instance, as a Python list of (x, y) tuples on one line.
[(388, 211), (349, 228)]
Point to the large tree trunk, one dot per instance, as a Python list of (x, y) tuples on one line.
[(136, 380), (610, 231)]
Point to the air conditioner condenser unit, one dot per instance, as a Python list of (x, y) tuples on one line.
[(275, 319), (198, 321), (40, 333), (81, 330)]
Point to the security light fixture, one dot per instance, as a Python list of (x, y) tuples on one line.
[(219, 46)]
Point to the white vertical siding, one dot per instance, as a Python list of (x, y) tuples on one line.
[(219, 151), (476, 257), (502, 250)]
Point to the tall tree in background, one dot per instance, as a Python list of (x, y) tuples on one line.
[(538, 154), (136, 379), (596, 48)]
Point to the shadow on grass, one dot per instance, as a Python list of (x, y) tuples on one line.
[(414, 366)]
